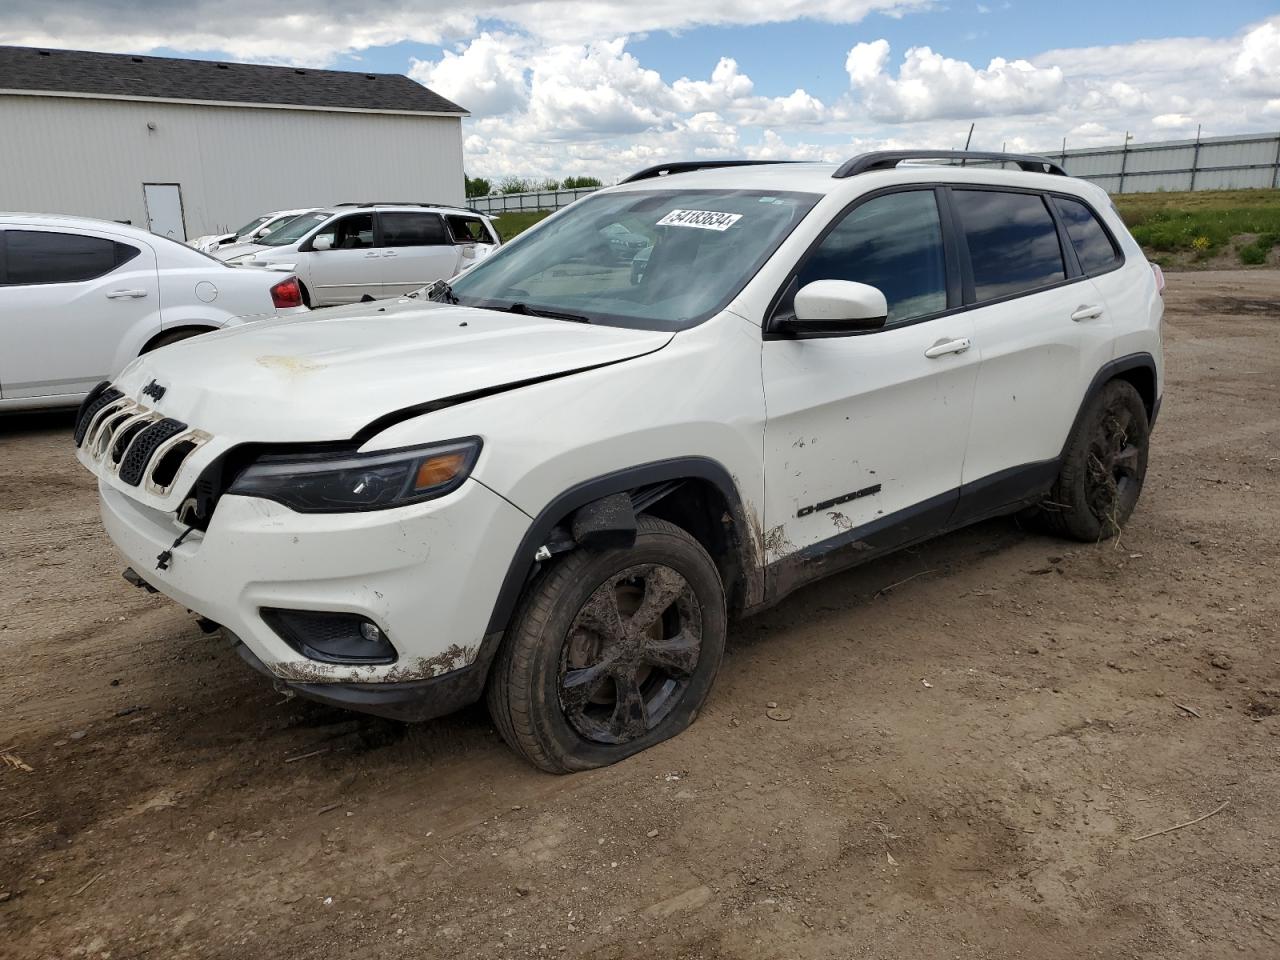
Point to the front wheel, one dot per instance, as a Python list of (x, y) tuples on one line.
[(610, 652), (1104, 467)]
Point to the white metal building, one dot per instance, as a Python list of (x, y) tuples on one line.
[(188, 147)]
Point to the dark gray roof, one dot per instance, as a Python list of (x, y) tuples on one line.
[(122, 75)]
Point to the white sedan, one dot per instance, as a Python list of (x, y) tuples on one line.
[(80, 299), (252, 231)]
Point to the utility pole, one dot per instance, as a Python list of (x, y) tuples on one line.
[(1195, 159), (1124, 159)]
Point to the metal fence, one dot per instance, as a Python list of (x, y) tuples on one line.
[(539, 200), (1208, 163)]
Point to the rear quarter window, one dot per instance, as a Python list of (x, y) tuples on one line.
[(1093, 245)]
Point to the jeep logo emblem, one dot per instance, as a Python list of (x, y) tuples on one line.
[(153, 390)]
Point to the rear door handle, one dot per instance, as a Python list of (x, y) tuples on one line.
[(388, 253), (943, 347), (373, 253), (1087, 312), (126, 294)]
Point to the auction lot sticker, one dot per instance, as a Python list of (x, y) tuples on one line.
[(702, 219)]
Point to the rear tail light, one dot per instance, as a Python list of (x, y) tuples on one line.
[(1155, 268), (287, 293)]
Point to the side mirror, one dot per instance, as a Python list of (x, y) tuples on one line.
[(322, 242), (832, 308)]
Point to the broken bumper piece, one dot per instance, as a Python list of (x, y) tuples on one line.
[(411, 701)]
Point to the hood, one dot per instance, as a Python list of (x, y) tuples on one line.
[(229, 250), (329, 373)]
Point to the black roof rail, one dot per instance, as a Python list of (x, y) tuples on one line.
[(408, 203), (688, 166), (888, 159)]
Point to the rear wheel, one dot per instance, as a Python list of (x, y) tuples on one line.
[(610, 652), (1104, 468)]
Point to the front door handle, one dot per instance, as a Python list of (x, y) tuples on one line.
[(126, 294), (943, 347), (373, 253), (1087, 312)]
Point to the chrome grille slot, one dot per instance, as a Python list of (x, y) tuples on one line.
[(168, 457), (109, 420)]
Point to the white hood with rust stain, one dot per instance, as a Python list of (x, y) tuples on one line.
[(325, 375)]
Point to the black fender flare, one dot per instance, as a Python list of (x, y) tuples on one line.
[(619, 481), (1108, 372)]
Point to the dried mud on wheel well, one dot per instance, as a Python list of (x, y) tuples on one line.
[(976, 732)]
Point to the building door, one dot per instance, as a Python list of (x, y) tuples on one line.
[(164, 210)]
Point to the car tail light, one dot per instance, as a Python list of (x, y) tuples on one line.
[(287, 293), (1155, 268)]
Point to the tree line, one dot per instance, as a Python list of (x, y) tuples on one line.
[(482, 187)]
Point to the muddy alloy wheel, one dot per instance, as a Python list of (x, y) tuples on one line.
[(1112, 476), (1103, 469), (630, 654), (610, 651)]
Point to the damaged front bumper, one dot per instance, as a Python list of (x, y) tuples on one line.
[(411, 701), (425, 575)]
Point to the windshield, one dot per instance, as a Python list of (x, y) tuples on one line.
[(295, 229), (662, 260), (252, 225)]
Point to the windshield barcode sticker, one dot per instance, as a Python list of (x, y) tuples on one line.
[(702, 219)]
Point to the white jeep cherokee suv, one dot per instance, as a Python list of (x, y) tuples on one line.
[(557, 485)]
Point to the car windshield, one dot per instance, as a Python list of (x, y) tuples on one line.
[(295, 229), (252, 225), (662, 260)]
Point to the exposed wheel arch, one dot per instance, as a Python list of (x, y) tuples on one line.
[(173, 335), (702, 478)]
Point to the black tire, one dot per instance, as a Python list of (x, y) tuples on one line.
[(564, 688), (1104, 468), (173, 336)]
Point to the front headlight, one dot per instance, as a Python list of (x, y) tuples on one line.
[(350, 482)]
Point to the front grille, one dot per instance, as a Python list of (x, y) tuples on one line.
[(143, 447), (94, 403)]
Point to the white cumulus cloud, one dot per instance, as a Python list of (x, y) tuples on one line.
[(929, 85)]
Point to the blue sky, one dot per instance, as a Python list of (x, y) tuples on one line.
[(560, 87)]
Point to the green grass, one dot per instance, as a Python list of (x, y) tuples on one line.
[(513, 224), (1203, 223)]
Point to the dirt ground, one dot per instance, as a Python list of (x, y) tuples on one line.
[(972, 758)]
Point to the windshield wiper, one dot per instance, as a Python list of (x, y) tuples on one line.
[(526, 310), (441, 292)]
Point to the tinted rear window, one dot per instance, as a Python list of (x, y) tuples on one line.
[(1093, 245), (38, 256), (1013, 242), (412, 230)]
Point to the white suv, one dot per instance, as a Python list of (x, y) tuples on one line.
[(363, 251), (559, 484)]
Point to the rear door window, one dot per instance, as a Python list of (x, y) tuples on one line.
[(893, 243), (413, 230), (1094, 246), (39, 256), (469, 230), (1013, 242)]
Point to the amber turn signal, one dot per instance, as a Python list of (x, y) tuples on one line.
[(438, 470)]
